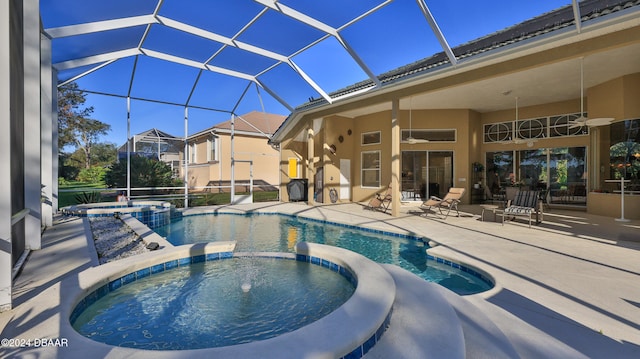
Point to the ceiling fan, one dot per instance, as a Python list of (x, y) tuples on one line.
[(582, 120), (412, 140)]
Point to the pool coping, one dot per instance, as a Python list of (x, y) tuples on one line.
[(101, 209), (349, 331)]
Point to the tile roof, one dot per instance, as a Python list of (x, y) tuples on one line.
[(254, 121), (155, 133)]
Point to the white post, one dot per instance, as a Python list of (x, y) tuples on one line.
[(47, 88), (622, 219), (128, 147), (54, 139), (310, 165), (622, 182), (5, 155), (251, 180), (233, 161), (31, 81), (186, 157)]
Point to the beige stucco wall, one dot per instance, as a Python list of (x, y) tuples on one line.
[(246, 148), (336, 128), (465, 148), (612, 99), (609, 204), (350, 130), (617, 98)]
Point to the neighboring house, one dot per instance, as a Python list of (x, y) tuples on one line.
[(511, 112), (156, 144), (209, 154)]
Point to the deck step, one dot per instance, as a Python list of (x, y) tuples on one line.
[(429, 321)]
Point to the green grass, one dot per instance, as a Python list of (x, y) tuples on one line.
[(210, 199), (68, 193)]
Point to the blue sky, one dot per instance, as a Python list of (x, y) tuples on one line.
[(395, 35)]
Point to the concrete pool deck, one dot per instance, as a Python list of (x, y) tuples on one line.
[(568, 286)]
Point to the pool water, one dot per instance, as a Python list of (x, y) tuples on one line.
[(203, 305), (279, 233)]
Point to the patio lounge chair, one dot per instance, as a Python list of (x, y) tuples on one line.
[(525, 204), (450, 201), (380, 202)]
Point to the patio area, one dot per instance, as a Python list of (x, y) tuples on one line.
[(566, 284)]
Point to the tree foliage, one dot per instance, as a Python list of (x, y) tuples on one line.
[(70, 166), (94, 174), (104, 154), (145, 172), (75, 127)]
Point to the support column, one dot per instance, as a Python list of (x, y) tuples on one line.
[(594, 160), (54, 140), (5, 156), (310, 165), (395, 157), (233, 160), (32, 140), (128, 147), (186, 157), (46, 131)]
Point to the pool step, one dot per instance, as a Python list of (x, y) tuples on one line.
[(430, 321)]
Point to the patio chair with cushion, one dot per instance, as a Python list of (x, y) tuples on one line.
[(525, 203), (381, 202), (450, 201)]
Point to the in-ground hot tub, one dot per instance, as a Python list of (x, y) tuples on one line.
[(351, 329), (152, 213)]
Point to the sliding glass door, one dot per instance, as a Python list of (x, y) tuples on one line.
[(568, 176), (561, 172), (426, 174)]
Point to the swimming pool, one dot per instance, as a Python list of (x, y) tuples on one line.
[(280, 233)]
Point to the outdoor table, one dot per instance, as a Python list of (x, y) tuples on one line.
[(491, 207)]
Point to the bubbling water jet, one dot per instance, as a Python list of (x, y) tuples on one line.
[(246, 287)]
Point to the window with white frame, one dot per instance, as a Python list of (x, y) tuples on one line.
[(370, 165), (498, 132), (371, 138), (567, 125), (543, 127), (192, 153), (212, 144), (432, 135), (532, 128)]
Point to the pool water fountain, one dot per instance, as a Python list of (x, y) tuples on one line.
[(248, 271), (246, 287), (248, 268)]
